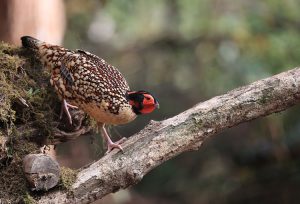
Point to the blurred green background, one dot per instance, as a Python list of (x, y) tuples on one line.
[(185, 52)]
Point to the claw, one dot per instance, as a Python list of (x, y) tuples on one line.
[(110, 144), (65, 108)]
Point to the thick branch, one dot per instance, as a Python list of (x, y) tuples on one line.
[(161, 141)]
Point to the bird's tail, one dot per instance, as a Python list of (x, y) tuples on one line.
[(30, 42)]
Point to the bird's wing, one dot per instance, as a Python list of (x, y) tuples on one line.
[(92, 79), (66, 75), (105, 70)]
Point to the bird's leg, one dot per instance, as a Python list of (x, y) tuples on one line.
[(110, 144), (45, 148), (65, 108)]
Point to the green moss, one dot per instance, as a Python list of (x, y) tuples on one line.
[(68, 177), (22, 78), (28, 199), (27, 102), (8, 70), (13, 183)]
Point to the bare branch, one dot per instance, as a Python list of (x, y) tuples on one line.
[(161, 141)]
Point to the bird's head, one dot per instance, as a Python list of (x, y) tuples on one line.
[(142, 102)]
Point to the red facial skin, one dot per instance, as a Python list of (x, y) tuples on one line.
[(149, 104)]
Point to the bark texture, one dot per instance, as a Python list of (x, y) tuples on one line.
[(161, 141)]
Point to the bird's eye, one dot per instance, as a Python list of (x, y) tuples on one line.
[(147, 98)]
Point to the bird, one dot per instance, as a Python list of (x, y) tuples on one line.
[(85, 81)]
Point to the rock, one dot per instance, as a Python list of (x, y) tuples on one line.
[(42, 172)]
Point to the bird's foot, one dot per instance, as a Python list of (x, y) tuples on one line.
[(65, 108), (112, 145), (44, 149)]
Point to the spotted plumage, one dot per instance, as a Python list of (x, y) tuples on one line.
[(89, 82)]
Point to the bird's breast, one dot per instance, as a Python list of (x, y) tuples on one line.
[(101, 114)]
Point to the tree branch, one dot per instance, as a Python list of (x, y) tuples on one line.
[(161, 141)]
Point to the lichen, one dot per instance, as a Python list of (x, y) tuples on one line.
[(68, 177), (266, 95)]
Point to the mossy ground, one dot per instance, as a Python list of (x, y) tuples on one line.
[(26, 101), (68, 177), (28, 199)]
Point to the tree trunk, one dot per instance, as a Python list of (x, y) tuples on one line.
[(44, 20)]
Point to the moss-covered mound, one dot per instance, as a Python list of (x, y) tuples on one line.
[(29, 118), (26, 97), (27, 112)]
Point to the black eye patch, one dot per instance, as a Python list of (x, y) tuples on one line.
[(136, 97)]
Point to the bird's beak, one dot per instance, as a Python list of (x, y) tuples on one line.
[(157, 105)]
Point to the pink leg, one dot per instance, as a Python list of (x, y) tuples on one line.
[(110, 144), (65, 108)]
